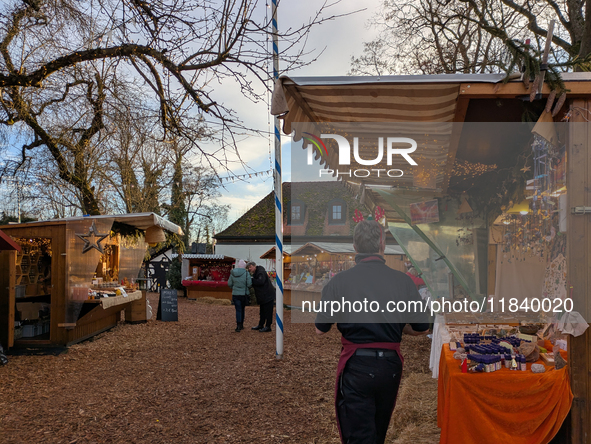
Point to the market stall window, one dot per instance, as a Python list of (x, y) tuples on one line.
[(33, 289), (337, 211)]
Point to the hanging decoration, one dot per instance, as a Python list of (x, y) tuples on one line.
[(424, 212), (380, 215), (357, 217), (235, 177), (529, 230), (466, 216), (93, 239)]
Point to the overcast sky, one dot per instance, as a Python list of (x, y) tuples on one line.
[(340, 39)]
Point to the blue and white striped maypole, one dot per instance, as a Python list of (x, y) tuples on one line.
[(278, 203)]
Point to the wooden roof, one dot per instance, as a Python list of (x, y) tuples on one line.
[(141, 221), (429, 109), (6, 242)]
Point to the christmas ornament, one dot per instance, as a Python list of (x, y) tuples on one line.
[(93, 239)]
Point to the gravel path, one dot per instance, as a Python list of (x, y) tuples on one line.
[(196, 381)]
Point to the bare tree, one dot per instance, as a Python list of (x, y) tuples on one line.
[(136, 170), (63, 64), (470, 36), (202, 190)]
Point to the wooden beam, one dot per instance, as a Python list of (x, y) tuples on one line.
[(492, 269), (515, 89), (293, 91), (579, 250), (7, 289)]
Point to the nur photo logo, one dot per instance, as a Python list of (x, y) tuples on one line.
[(392, 148)]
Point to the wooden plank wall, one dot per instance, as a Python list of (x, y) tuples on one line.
[(95, 321), (579, 266), (194, 292), (7, 283), (395, 261)]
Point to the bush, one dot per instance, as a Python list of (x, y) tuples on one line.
[(174, 275)]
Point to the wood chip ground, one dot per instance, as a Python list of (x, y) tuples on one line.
[(197, 381)]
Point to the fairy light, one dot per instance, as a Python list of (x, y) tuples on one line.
[(465, 168)]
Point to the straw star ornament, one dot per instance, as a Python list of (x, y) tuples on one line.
[(93, 239)]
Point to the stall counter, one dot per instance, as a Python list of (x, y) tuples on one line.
[(214, 289)]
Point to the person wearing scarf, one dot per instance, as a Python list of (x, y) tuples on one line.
[(369, 370), (239, 281)]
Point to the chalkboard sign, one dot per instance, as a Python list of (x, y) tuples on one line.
[(168, 309)]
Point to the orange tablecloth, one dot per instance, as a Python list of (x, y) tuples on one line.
[(502, 407)]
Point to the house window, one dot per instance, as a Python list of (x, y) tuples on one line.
[(296, 213), (337, 212)]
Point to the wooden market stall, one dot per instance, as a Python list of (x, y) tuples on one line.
[(270, 257), (206, 275), (73, 277), (313, 264), (473, 152)]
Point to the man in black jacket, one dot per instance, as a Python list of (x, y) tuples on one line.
[(265, 294), (370, 368)]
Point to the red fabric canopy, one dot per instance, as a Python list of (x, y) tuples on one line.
[(6, 243)]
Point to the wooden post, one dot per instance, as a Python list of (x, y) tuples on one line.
[(492, 269), (135, 312), (7, 284), (579, 262)]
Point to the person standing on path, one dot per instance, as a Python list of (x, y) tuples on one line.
[(370, 367), (240, 281), (265, 294)]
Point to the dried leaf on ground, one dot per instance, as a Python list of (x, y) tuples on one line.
[(195, 381)]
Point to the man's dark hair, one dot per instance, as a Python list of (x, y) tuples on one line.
[(248, 264), (367, 236)]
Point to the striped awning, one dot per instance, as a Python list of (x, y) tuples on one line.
[(424, 107), (430, 108), (368, 99)]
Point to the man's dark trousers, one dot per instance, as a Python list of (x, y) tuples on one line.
[(266, 314), (368, 390)]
